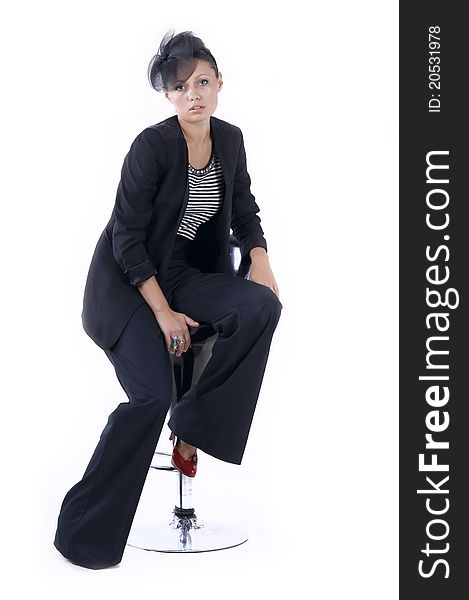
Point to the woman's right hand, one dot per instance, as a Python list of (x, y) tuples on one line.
[(174, 323)]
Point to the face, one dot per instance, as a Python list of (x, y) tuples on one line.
[(200, 90)]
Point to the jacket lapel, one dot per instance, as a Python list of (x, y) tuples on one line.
[(225, 149)]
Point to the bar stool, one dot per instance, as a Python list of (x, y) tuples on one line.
[(184, 531)]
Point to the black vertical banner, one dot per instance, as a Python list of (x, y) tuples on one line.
[(434, 252)]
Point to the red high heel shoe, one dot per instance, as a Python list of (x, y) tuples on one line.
[(185, 466)]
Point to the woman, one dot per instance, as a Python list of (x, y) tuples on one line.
[(160, 267)]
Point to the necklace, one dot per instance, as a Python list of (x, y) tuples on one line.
[(206, 169)]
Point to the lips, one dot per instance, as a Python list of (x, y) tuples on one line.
[(197, 107)]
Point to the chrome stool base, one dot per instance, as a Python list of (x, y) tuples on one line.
[(186, 533)]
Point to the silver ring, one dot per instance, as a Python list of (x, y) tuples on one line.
[(174, 341)]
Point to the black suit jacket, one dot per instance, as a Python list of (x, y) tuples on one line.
[(151, 199)]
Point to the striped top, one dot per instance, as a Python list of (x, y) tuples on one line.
[(206, 189)]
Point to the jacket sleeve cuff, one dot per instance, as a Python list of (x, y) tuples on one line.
[(141, 272), (246, 247)]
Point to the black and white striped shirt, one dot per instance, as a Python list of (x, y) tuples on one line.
[(206, 190)]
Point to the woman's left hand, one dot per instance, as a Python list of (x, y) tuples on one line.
[(260, 272)]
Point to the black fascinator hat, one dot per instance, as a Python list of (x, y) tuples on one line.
[(176, 59)]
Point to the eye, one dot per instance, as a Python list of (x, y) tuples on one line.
[(203, 80), (176, 87)]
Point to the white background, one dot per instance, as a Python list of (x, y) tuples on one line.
[(313, 86)]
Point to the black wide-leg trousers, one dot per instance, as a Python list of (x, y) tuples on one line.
[(215, 415)]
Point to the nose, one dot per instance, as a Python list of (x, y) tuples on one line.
[(193, 95)]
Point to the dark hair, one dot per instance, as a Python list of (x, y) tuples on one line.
[(176, 59)]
